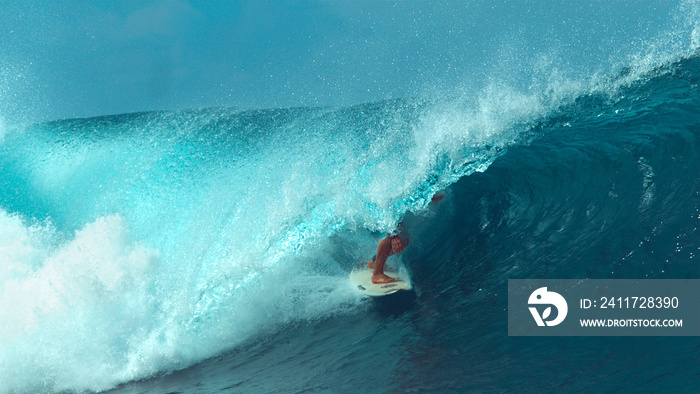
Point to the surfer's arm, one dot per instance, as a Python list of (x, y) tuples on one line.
[(398, 244)]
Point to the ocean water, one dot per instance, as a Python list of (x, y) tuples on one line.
[(208, 249)]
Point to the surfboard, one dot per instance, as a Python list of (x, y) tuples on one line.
[(361, 280)]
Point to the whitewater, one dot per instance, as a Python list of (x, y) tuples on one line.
[(209, 249)]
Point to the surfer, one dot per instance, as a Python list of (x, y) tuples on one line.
[(388, 246), (391, 245)]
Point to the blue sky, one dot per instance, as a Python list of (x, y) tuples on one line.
[(62, 59)]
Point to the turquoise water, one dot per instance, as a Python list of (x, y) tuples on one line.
[(208, 249)]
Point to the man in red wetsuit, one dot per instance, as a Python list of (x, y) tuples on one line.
[(392, 244), (388, 246)]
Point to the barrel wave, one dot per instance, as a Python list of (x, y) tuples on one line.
[(209, 249)]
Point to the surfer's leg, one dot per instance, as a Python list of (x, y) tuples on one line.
[(383, 252), (370, 264)]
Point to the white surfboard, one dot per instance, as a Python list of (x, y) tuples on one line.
[(361, 280)]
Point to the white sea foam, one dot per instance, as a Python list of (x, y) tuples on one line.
[(70, 311), (99, 308)]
